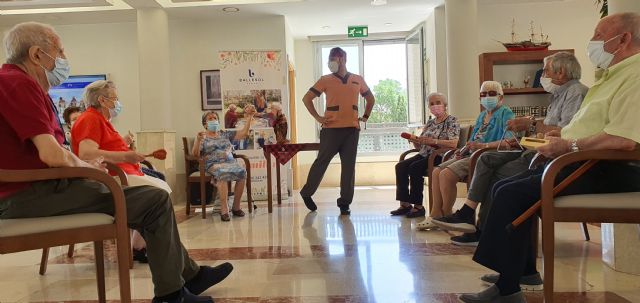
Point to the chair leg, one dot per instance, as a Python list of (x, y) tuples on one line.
[(123, 249), (99, 254), (44, 260), (585, 231), (548, 249), (203, 199), (248, 186), (188, 208), (70, 251)]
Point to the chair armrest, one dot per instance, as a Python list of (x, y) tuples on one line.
[(32, 175), (244, 158), (404, 155), (554, 168), (112, 167), (474, 159), (147, 164)]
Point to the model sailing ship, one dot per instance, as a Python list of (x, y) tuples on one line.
[(532, 44)]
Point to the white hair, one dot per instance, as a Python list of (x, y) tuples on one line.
[(276, 106), (19, 39), (437, 94), (629, 22), (96, 89), (491, 86)]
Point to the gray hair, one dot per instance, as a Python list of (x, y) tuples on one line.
[(567, 61), (491, 86), (19, 39), (275, 105), (96, 89), (437, 94), (629, 22)]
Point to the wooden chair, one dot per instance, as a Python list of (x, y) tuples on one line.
[(465, 133), (124, 181), (18, 235), (603, 208), (195, 173)]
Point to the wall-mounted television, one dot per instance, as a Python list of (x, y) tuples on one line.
[(69, 93)]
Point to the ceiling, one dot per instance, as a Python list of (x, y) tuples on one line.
[(305, 17)]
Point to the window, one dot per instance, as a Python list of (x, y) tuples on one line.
[(383, 64)]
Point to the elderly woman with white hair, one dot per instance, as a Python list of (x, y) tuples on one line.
[(441, 131), (487, 132)]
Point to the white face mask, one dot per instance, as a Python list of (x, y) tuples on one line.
[(548, 85), (333, 66), (598, 56)]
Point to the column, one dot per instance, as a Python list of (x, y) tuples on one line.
[(620, 245), (155, 93), (462, 58), (154, 68)]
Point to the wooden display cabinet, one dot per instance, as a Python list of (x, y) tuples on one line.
[(489, 60)]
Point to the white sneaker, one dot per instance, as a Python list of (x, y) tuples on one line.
[(426, 224)]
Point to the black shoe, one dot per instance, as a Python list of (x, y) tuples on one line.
[(466, 239), (208, 276), (308, 202), (456, 222), (401, 211), (344, 210), (140, 255), (182, 296), (420, 212)]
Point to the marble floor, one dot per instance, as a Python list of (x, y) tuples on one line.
[(292, 255)]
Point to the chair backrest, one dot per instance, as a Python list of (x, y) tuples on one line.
[(465, 133), (190, 166)]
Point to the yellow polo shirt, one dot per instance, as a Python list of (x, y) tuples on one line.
[(342, 98), (612, 105)]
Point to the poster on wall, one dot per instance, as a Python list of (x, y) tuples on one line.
[(254, 78)]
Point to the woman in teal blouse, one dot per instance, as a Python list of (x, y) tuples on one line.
[(487, 132)]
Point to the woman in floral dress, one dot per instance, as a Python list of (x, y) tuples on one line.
[(214, 146)]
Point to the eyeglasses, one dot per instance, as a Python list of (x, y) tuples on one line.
[(491, 93)]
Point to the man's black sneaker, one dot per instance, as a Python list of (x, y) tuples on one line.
[(466, 239), (456, 222), (308, 202), (419, 212), (140, 255), (344, 210), (531, 282)]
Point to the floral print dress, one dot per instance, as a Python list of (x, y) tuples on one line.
[(218, 158)]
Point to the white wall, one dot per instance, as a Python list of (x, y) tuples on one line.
[(569, 25), (195, 46)]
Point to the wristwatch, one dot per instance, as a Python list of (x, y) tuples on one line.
[(532, 126), (365, 116), (574, 145)]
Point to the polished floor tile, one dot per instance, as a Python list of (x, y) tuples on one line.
[(292, 255)]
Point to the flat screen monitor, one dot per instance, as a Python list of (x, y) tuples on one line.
[(69, 93)]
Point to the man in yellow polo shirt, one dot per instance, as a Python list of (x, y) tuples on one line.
[(607, 120), (340, 127)]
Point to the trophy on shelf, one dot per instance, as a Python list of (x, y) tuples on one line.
[(527, 79)]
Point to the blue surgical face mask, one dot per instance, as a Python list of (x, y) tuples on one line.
[(60, 72), (213, 126), (116, 110), (489, 103)]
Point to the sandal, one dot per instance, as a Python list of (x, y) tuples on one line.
[(237, 213), (426, 225), (225, 217)]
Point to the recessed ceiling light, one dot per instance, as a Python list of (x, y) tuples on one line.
[(388, 23), (326, 27), (230, 9), (378, 2)]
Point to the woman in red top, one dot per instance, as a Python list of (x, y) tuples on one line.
[(93, 135)]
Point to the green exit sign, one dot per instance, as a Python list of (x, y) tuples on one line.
[(358, 31)]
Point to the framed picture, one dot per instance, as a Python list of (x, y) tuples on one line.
[(210, 91)]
